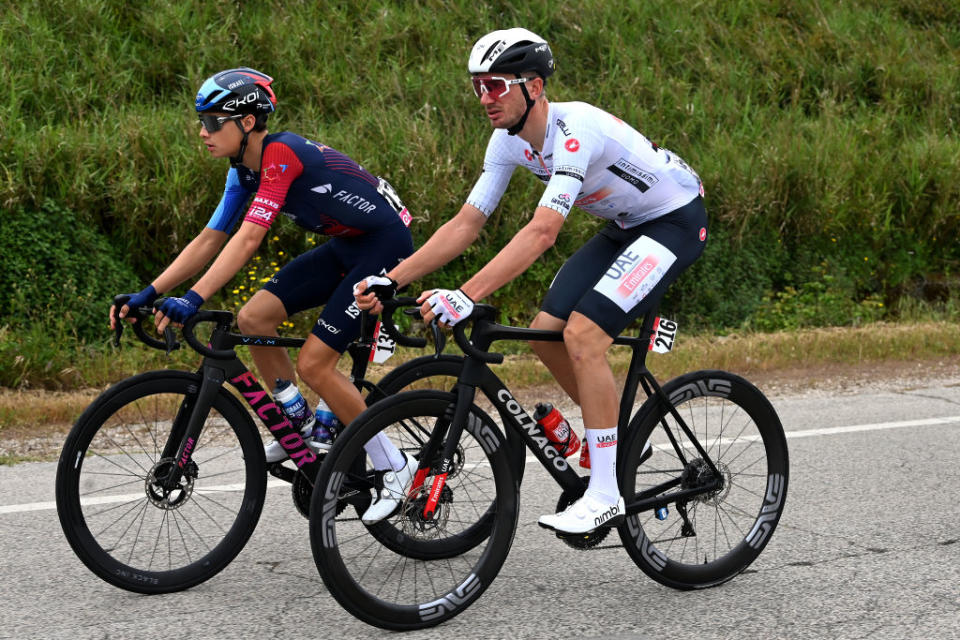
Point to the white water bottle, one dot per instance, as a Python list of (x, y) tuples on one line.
[(294, 406)]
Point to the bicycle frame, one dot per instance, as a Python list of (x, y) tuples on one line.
[(221, 364), (477, 374)]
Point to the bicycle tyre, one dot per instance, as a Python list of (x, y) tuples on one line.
[(741, 432), (415, 370), (106, 465), (390, 589)]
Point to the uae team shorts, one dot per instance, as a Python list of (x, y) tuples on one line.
[(620, 274)]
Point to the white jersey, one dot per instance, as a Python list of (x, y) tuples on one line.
[(593, 160)]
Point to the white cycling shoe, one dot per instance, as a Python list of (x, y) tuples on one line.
[(274, 452), (585, 515), (394, 490)]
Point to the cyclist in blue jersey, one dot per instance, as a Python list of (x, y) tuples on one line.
[(321, 190), (656, 227)]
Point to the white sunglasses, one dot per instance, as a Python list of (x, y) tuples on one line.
[(496, 86)]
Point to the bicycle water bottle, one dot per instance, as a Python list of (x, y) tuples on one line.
[(326, 426), (294, 406), (557, 429)]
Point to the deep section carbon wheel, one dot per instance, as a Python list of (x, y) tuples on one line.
[(448, 557), (709, 538), (124, 519)]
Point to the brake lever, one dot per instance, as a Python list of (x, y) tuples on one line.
[(118, 302), (170, 339), (439, 338), (117, 330)]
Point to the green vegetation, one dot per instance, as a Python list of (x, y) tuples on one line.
[(825, 134)]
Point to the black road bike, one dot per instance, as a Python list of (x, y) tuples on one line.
[(699, 509), (162, 479)]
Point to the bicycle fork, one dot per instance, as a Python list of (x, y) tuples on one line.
[(186, 428), (456, 417)]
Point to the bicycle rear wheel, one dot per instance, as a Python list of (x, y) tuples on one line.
[(709, 538), (115, 513), (418, 583)]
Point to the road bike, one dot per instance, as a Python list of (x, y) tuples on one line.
[(162, 479), (699, 508)]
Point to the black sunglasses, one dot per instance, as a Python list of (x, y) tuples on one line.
[(214, 123)]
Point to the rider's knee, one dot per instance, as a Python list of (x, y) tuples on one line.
[(263, 313), (247, 320), (316, 372), (582, 339)]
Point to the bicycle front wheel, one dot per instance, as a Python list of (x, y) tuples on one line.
[(707, 539), (122, 522), (430, 372), (418, 583)]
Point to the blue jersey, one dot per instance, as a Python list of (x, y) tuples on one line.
[(319, 188)]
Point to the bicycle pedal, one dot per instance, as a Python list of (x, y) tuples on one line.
[(574, 537)]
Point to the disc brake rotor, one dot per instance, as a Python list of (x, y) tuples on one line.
[(413, 520), (176, 497)]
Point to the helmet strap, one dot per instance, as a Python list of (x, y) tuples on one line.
[(515, 129), (237, 159)]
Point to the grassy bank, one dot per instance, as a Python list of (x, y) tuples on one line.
[(826, 135)]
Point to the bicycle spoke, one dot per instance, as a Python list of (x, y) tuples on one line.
[(186, 547), (122, 468), (134, 502), (139, 482), (209, 517), (136, 538), (136, 439)]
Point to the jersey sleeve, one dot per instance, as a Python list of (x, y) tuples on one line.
[(572, 152), (493, 181), (231, 204), (279, 167)]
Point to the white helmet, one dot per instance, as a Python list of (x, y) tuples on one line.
[(511, 51)]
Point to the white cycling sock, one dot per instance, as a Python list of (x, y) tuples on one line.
[(384, 454), (603, 463)]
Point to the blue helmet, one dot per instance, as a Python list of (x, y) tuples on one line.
[(241, 90)]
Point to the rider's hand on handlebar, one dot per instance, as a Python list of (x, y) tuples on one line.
[(178, 310), (143, 299), (371, 290), (448, 306)]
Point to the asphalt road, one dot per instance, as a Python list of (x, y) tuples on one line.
[(869, 546)]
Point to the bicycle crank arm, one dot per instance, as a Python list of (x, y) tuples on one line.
[(277, 470)]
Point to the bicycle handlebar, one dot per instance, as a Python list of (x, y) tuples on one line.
[(169, 343), (480, 312), (225, 320), (386, 322)]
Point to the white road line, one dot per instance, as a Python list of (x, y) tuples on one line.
[(272, 484), (42, 506)]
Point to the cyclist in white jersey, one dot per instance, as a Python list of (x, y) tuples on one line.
[(657, 227)]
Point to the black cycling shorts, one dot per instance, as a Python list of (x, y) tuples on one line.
[(326, 275), (620, 274)]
